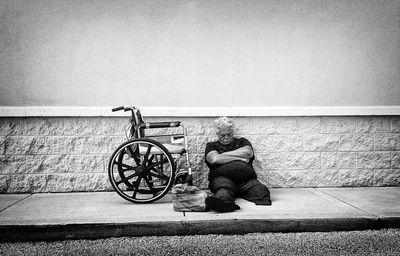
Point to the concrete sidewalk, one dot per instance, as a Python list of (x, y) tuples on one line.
[(58, 216)]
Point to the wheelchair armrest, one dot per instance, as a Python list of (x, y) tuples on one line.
[(159, 125)]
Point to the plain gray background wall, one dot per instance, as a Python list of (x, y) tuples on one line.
[(199, 53)]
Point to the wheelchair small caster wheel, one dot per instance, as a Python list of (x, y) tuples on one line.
[(183, 178)]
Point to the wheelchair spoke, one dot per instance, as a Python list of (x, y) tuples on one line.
[(146, 157), (132, 154), (126, 178), (150, 185), (136, 186), (158, 176), (128, 167), (165, 160), (150, 159)]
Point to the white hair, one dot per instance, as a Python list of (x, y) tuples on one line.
[(224, 123)]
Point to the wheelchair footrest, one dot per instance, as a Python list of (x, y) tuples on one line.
[(147, 191)]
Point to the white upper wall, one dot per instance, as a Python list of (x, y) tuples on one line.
[(227, 53)]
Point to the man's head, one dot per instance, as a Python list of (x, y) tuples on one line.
[(225, 128)]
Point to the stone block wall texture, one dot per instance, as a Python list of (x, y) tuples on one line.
[(63, 154)]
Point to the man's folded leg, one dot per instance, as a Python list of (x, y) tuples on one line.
[(224, 190), (221, 205), (256, 192)]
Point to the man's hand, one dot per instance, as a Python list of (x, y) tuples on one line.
[(246, 160)]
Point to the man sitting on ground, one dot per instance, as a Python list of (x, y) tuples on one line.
[(231, 171)]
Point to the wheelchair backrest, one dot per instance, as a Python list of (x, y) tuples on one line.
[(137, 120)]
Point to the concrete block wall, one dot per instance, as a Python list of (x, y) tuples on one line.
[(61, 154)]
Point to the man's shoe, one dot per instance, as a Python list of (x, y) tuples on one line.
[(221, 205)]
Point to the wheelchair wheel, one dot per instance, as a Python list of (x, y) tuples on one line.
[(141, 170)]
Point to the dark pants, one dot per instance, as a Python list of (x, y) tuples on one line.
[(251, 190)]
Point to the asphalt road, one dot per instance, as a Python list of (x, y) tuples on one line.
[(370, 242)]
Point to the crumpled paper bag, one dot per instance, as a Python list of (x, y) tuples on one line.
[(187, 198)]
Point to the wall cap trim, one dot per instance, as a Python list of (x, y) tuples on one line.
[(93, 111)]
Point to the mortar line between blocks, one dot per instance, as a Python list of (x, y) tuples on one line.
[(347, 203), (11, 205)]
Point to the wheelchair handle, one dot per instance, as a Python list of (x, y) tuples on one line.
[(117, 109), (122, 108)]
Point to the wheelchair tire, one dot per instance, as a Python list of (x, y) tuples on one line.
[(141, 170)]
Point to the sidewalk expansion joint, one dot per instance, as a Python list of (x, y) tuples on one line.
[(349, 204), (11, 205)]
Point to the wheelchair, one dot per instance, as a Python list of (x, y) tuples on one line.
[(144, 168)]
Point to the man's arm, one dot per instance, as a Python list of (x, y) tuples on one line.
[(242, 154), (215, 158)]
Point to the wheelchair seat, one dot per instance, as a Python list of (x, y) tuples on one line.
[(173, 149)]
